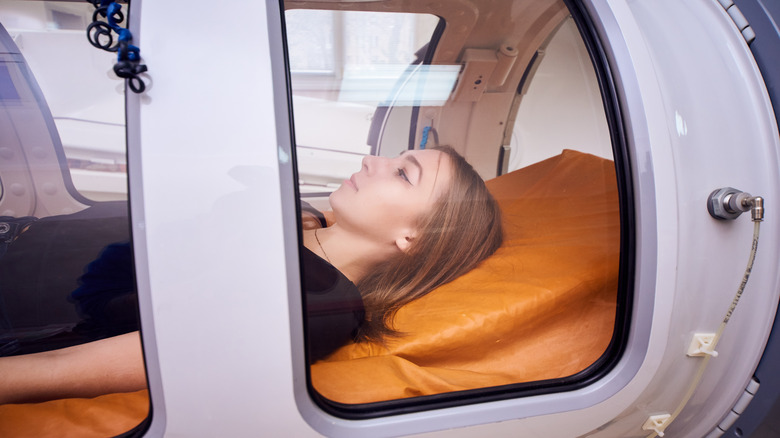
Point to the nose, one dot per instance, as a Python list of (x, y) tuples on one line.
[(373, 164)]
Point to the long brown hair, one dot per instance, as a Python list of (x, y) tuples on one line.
[(462, 229)]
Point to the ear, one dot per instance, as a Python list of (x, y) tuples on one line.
[(404, 242)]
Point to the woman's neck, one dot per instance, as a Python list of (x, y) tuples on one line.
[(352, 255)]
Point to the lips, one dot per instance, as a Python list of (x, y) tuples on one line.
[(351, 182)]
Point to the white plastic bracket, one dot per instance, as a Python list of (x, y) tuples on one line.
[(657, 423), (473, 80), (702, 344)]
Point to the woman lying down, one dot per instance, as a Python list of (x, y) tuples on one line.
[(402, 227)]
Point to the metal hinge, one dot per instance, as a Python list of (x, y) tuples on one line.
[(736, 411), (739, 20)]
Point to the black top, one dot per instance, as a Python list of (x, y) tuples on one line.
[(334, 307), (67, 280)]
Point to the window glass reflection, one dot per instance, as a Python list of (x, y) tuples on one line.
[(67, 285), (542, 268)]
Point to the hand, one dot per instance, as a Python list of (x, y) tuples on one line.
[(309, 221)]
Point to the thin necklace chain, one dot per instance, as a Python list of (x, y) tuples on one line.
[(320, 244)]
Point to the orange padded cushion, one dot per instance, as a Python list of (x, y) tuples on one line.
[(104, 416), (542, 307)]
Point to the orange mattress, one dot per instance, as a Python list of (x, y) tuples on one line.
[(98, 417), (542, 307)]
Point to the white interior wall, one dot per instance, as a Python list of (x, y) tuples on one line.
[(562, 108)]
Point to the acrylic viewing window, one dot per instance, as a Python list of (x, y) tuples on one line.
[(538, 312), (66, 264)]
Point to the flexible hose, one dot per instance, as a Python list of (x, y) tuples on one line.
[(700, 372)]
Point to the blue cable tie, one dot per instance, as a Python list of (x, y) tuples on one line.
[(424, 139)]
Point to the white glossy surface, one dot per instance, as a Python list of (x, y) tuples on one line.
[(211, 225), (211, 234), (722, 132)]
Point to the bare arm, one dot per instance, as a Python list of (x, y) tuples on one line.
[(87, 370)]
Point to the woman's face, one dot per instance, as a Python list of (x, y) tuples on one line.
[(388, 196)]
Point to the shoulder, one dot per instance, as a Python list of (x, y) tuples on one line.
[(334, 307), (311, 217), (324, 285)]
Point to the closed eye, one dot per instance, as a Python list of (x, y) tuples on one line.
[(402, 173), (416, 168)]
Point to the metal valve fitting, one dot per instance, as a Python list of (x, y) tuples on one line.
[(728, 203)]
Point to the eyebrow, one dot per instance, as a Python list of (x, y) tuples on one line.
[(412, 159)]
